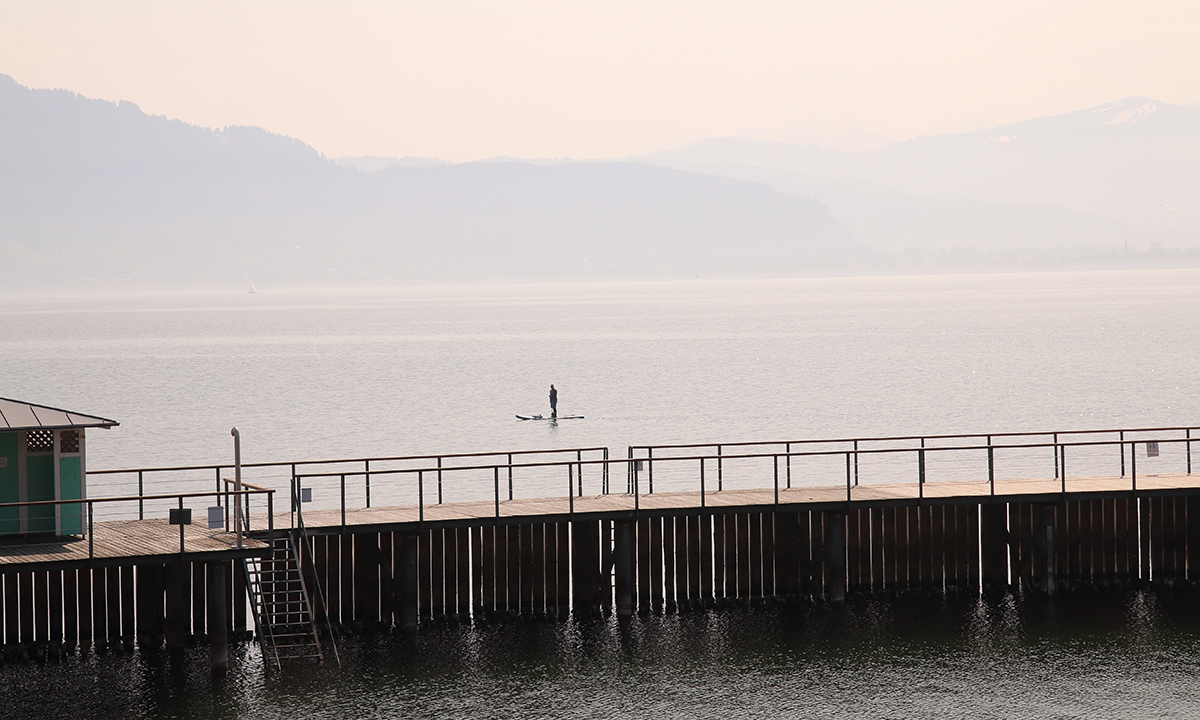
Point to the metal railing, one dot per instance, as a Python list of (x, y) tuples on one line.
[(644, 458), (776, 465), (370, 467), (640, 470), (502, 476)]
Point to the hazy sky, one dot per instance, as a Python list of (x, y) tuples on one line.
[(539, 78)]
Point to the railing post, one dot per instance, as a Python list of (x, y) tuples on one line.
[(847, 477), (991, 466), (271, 516), (775, 458), (636, 500), (496, 484), (1122, 439), (510, 487), (1055, 436), (856, 463), (702, 500), (91, 530), (921, 468), (1133, 465), (295, 496), (343, 502), (367, 481), (181, 530), (629, 473), (440, 481), (571, 487), (579, 460), (141, 514), (1187, 434), (605, 471), (787, 448), (421, 497), (1062, 451), (720, 475), (650, 469)]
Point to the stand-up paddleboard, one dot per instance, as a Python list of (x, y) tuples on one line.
[(542, 417)]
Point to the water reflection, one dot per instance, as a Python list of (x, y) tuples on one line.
[(1083, 655)]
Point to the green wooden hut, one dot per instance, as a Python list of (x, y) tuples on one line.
[(43, 457)]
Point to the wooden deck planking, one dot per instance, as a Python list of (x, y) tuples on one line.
[(117, 539)]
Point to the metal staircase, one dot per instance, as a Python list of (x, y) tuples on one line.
[(282, 610)]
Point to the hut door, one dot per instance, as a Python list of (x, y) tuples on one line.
[(39, 479), (10, 483), (70, 479)]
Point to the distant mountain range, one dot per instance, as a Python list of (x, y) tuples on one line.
[(93, 191), (1127, 170)]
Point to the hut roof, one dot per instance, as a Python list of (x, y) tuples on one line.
[(17, 415)]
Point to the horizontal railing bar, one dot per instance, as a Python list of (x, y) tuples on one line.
[(247, 485), (745, 456), (910, 437), (131, 498), (393, 458)]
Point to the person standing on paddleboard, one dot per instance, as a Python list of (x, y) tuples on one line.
[(553, 402)]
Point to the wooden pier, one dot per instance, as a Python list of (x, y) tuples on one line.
[(770, 536)]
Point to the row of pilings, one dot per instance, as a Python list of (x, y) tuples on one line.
[(363, 579)]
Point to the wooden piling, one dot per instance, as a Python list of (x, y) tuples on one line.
[(937, 548), (623, 564), (408, 572), (585, 562), (177, 605), (719, 564), (433, 572), (642, 592), (853, 553), (1192, 548), (656, 564), (366, 585), (787, 557), (753, 571), (477, 587), (701, 535), (537, 569), (835, 556), (904, 551), (512, 566), (816, 559), (768, 554), (218, 636), (671, 575), (41, 608), (128, 606), (732, 592), (994, 558)]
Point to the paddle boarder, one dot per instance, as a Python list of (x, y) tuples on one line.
[(553, 402)]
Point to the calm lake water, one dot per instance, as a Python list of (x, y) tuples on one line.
[(362, 372), (1115, 656)]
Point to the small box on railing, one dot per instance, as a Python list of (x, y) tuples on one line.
[(216, 517), (305, 494), (180, 516), (1152, 448)]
